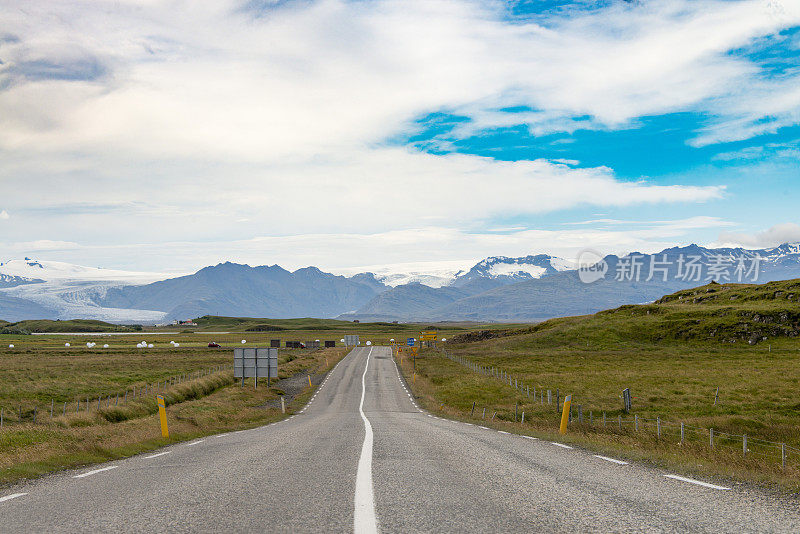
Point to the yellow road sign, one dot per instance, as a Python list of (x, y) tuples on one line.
[(430, 335)]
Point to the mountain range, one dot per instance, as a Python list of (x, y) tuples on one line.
[(523, 289)]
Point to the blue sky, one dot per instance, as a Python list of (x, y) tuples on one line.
[(167, 136)]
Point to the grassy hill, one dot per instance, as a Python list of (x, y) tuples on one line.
[(723, 313), (717, 356), (250, 324), (74, 325)]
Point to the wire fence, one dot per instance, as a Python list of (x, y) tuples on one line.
[(33, 412), (658, 428)]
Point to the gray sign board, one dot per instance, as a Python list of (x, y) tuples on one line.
[(351, 340), (255, 363)]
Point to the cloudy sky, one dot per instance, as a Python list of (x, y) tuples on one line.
[(167, 135)]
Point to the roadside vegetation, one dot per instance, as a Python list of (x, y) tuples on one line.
[(716, 357), (41, 374), (206, 400)]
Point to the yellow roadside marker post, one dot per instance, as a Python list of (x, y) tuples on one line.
[(565, 414), (309, 380), (162, 412)]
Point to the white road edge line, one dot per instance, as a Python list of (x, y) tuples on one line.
[(698, 482), (96, 471), (195, 442), (612, 460), (502, 432), (560, 445), (364, 519), (531, 437), (12, 496), (157, 455)]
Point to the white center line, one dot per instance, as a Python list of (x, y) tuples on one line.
[(195, 442), (96, 471), (364, 519), (698, 482), (560, 445), (612, 460), (12, 496), (157, 455)]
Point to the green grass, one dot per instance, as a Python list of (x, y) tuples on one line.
[(40, 369), (74, 325), (197, 406), (672, 354)]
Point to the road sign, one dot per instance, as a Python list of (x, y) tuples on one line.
[(351, 340), (255, 363), (429, 335), (410, 341)]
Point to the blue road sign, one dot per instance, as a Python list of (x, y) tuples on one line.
[(410, 342)]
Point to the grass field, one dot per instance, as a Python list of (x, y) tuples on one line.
[(673, 355), (40, 373)]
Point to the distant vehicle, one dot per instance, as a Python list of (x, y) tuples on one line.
[(213, 345)]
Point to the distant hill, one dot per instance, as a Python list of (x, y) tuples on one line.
[(240, 290), (559, 293), (14, 309), (723, 313), (72, 326), (497, 289)]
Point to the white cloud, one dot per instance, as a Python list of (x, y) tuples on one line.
[(208, 121), (442, 247), (376, 190), (771, 237), (325, 75), (4, 216)]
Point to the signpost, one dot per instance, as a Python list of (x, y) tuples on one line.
[(162, 413), (351, 340), (255, 363), (565, 414)]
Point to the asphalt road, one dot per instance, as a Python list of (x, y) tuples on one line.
[(363, 457)]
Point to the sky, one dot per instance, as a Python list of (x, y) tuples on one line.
[(167, 135)]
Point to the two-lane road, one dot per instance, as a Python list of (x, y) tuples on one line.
[(362, 456)]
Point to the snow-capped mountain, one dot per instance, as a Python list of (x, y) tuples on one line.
[(67, 291), (509, 270), (497, 288), (9, 280), (57, 270), (431, 274), (541, 287)]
